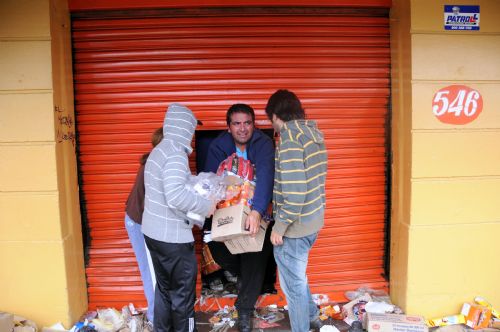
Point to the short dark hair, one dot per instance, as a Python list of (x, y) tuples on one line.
[(157, 136), (286, 105), (239, 108), (155, 140)]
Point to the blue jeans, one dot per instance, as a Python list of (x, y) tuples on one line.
[(144, 262), (291, 258)]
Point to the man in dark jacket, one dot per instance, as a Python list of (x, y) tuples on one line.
[(250, 143)]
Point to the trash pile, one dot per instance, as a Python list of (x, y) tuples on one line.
[(270, 317), (367, 310), (352, 315), (264, 318), (366, 300), (328, 312), (219, 286), (477, 315), (10, 322), (102, 320), (223, 319), (373, 311)]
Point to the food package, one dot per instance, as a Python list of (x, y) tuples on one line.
[(238, 191), (476, 316), (208, 185), (238, 166), (482, 301), (445, 321), (238, 194), (330, 311), (208, 264)]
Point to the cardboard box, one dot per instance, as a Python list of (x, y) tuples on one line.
[(6, 322), (247, 243), (397, 323), (228, 226), (476, 316), (229, 222)]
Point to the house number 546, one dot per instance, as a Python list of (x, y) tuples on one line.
[(457, 104)]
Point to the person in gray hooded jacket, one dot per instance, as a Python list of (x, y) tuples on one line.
[(167, 230)]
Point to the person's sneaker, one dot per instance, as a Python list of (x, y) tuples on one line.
[(230, 277), (244, 322), (216, 285), (315, 325)]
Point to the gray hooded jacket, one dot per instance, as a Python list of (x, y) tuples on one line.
[(167, 169)]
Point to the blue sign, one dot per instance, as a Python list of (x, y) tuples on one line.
[(457, 17)]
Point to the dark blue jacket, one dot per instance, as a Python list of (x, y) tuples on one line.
[(260, 152)]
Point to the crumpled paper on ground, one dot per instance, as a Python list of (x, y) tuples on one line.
[(223, 319), (267, 318), (109, 320), (328, 328), (379, 307)]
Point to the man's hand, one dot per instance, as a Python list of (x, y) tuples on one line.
[(276, 239), (252, 223)]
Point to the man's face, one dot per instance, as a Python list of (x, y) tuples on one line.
[(241, 128)]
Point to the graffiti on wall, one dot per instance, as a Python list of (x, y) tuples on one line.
[(65, 127)]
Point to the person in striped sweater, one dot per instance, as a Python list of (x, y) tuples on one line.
[(298, 202), (167, 229)]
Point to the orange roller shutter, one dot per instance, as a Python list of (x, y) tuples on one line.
[(127, 70)]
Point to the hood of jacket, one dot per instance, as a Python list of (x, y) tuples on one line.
[(308, 128), (179, 126)]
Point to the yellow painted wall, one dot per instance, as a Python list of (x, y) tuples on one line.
[(452, 224), (401, 149), (42, 272)]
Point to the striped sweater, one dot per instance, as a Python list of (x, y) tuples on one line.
[(167, 169), (299, 182)]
